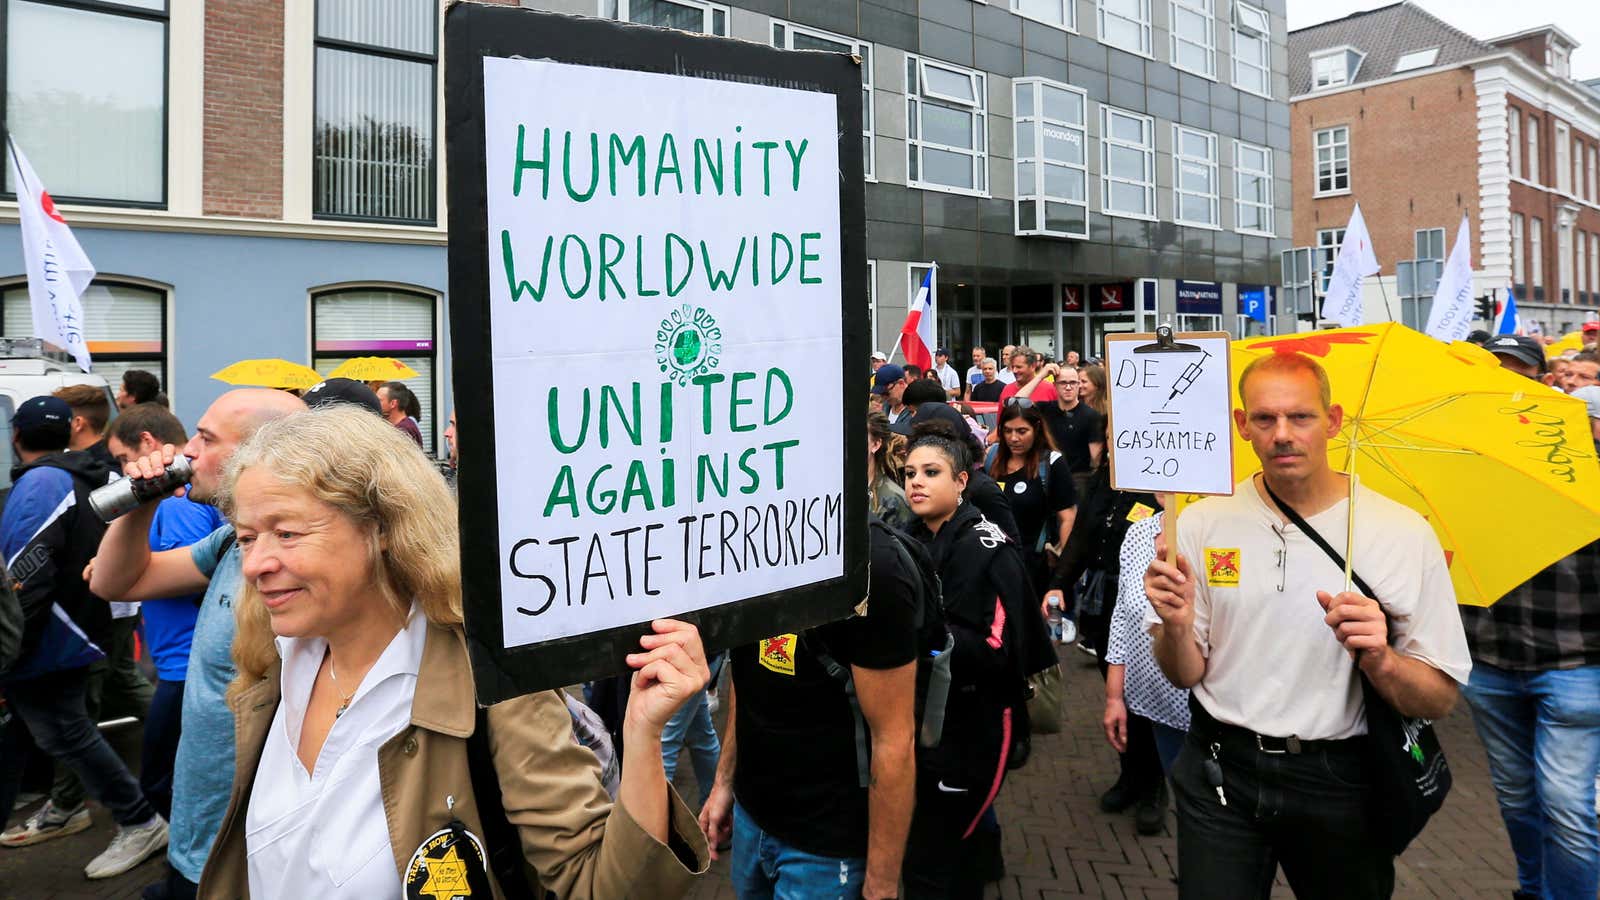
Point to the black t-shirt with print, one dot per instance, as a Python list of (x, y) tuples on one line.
[(987, 392), (1074, 431), (1036, 504), (796, 771)]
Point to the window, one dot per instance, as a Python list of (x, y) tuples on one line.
[(1594, 187), (1296, 273), (1581, 282), (1430, 244), (1416, 59), (1560, 62), (1193, 37), (1060, 13), (1536, 257), (124, 325), (1533, 149), (946, 127), (788, 36), (1194, 177), (1333, 161), (86, 97), (388, 322), (1332, 68), (1329, 240), (1252, 49), (1563, 147), (1127, 164), (684, 15), (1252, 188), (1126, 24), (1052, 158), (1518, 251), (1514, 134), (373, 139), (1594, 265)]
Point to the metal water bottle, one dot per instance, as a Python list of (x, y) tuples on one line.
[(932, 731), (126, 494)]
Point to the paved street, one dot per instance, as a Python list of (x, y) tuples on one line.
[(1057, 842)]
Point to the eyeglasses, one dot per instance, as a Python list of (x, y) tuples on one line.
[(1023, 402)]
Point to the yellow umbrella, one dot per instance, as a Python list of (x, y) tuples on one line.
[(373, 368), (1569, 343), (1502, 467), (273, 373)]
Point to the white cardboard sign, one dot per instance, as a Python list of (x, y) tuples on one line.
[(665, 298), (1171, 413)]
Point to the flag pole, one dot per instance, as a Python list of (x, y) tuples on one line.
[(1385, 294), (895, 347)]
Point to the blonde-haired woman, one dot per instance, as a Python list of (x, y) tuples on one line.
[(355, 705)]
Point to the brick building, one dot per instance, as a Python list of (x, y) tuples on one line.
[(1423, 124), (263, 178)]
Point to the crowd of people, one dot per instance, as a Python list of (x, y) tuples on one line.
[(312, 729)]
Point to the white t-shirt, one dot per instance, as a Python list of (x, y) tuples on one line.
[(1272, 664), (948, 377), (325, 833)]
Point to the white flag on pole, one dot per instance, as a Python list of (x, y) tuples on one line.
[(1356, 261), (58, 269), (1453, 309)]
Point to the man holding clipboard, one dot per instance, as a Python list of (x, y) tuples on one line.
[(1250, 616)]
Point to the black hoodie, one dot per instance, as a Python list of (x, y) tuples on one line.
[(51, 534)]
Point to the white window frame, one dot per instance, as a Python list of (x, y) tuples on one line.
[(1069, 14), (1146, 46), (1514, 140), (1580, 278), (1532, 168), (1594, 187), (1563, 160), (1036, 157), (1518, 250), (433, 429), (1148, 148), (917, 95), (1265, 64), (1535, 255), (1213, 166), (1331, 165), (863, 49), (1329, 240), (1206, 8), (1432, 54), (1594, 265), (619, 10), (1341, 57), (160, 360), (872, 302), (1240, 173)]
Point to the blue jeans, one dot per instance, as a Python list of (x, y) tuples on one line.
[(690, 729), (1169, 743), (163, 724), (765, 867), (1542, 734)]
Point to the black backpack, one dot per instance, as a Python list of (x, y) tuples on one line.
[(934, 643)]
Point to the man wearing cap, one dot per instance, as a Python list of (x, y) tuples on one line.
[(878, 359), (1535, 698), (889, 383), (49, 534), (1519, 353), (344, 390), (947, 374), (126, 569), (1590, 335)]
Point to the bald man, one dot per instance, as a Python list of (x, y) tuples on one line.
[(125, 569)]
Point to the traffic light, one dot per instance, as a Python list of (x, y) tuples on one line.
[(1486, 309)]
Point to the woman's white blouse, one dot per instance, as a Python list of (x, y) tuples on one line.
[(324, 833)]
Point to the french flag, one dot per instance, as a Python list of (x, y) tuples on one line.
[(1507, 321), (916, 335)]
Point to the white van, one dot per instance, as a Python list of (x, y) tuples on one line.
[(28, 368)]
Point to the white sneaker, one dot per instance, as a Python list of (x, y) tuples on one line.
[(131, 846), (49, 821), (1069, 631)]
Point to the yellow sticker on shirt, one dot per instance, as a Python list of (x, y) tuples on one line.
[(1140, 512), (1222, 567), (777, 654)]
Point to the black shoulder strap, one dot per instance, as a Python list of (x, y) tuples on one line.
[(1318, 539), (500, 838)]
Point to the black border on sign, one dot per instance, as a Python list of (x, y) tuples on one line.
[(474, 31)]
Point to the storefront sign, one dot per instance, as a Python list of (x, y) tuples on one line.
[(1071, 298), (1257, 302), (1111, 297), (1199, 298), (649, 300)]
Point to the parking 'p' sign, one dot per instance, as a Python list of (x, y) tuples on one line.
[(653, 239)]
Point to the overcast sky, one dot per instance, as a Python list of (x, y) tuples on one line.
[(1485, 19)]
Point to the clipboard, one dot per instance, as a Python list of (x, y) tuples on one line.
[(1184, 443)]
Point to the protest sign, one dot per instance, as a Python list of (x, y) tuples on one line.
[(657, 276), (1171, 412)]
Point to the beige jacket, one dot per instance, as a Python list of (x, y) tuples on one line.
[(577, 842)]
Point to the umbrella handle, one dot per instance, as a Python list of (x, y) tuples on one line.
[(1350, 518)]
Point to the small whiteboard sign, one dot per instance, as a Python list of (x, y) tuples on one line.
[(1171, 413)]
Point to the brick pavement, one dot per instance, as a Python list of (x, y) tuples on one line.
[(1057, 845)]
